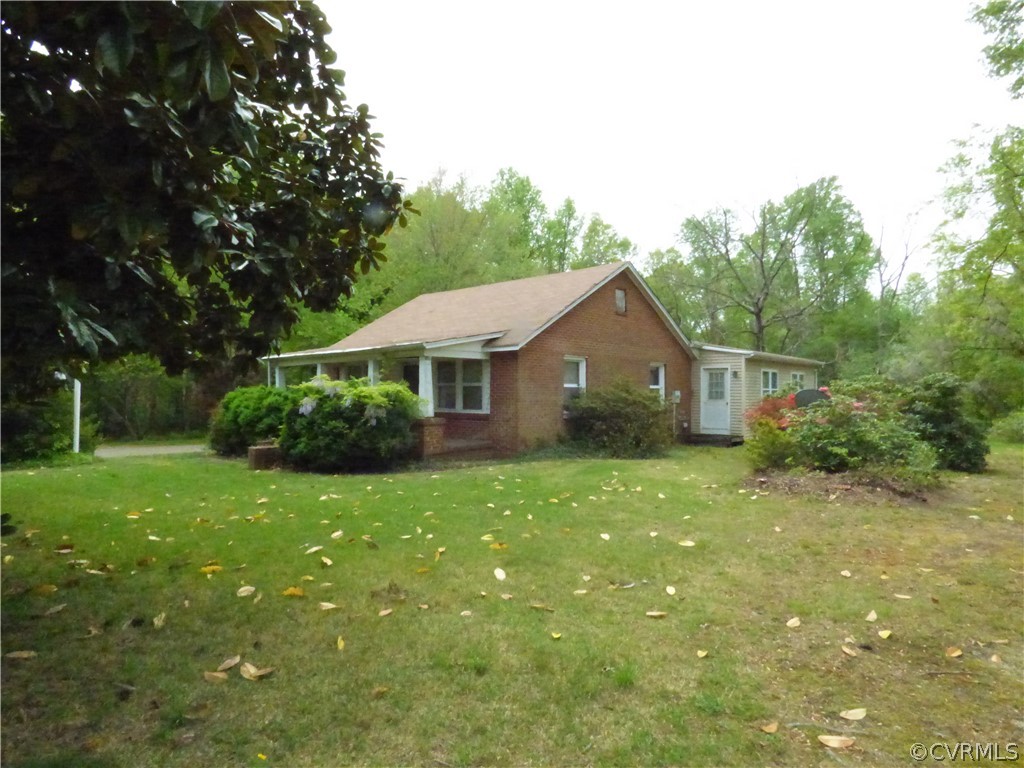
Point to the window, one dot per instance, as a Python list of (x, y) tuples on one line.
[(716, 384), (462, 386), (574, 377), (620, 301), (798, 379), (769, 382), (656, 380)]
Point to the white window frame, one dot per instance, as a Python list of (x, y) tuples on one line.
[(660, 386), (579, 387), (460, 387), (620, 301), (773, 382), (797, 377)]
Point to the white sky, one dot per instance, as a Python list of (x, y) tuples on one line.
[(647, 112)]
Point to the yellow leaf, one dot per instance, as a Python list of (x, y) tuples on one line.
[(837, 742), (687, 543), (579, 591), (216, 677), (311, 550), (208, 569), (294, 592), (341, 643), (995, 658), (385, 611), (605, 536), (853, 714), (871, 617), (245, 591), (845, 574), (327, 606), (466, 614), (656, 614), (308, 578), (902, 597), (849, 651), (770, 727), (953, 652), (542, 607), (326, 561), (133, 515), (55, 609), (701, 653), (556, 635), (252, 672), (21, 655), (499, 545), (44, 589), (438, 553), (885, 634), (159, 620), (487, 537), (229, 663), (794, 622), (506, 596), (499, 574), (670, 590), (422, 570)]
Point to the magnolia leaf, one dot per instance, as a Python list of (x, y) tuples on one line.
[(656, 614), (770, 727), (308, 578), (216, 677), (849, 651), (252, 672), (953, 652), (466, 614), (44, 589), (871, 617), (847, 574), (21, 655), (326, 561), (327, 606), (605, 536), (423, 606), (853, 714), (159, 620), (542, 607), (133, 515), (422, 570), (556, 635), (579, 592), (701, 653), (499, 545), (499, 574), (229, 663), (836, 742), (437, 555), (311, 550), (506, 596), (670, 590), (902, 597), (585, 577), (995, 658), (385, 611), (794, 622), (65, 549), (245, 591), (653, 534), (337, 534), (55, 609), (885, 634), (687, 543), (294, 592), (208, 569), (340, 643), (487, 537)]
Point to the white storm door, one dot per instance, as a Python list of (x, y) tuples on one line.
[(714, 401)]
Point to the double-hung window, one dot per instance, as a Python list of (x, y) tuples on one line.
[(797, 379), (461, 386), (656, 379), (574, 378), (769, 382)]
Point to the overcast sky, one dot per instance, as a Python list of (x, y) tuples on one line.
[(648, 112)]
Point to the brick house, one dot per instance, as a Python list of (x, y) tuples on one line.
[(495, 364)]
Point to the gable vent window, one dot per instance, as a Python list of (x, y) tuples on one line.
[(620, 301)]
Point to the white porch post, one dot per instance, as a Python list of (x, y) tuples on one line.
[(373, 370), (76, 439), (279, 377), (319, 369), (426, 387)]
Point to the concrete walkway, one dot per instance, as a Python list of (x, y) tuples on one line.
[(123, 451)]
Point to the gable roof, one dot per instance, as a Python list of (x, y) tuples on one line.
[(504, 316)]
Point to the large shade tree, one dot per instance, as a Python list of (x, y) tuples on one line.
[(178, 179)]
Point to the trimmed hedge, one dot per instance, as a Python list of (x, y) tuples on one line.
[(620, 420), (248, 415)]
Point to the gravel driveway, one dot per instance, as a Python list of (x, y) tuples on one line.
[(122, 451)]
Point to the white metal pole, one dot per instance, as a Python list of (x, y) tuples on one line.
[(76, 439)]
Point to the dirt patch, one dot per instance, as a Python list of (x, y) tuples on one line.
[(845, 488)]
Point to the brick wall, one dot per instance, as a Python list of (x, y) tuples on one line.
[(527, 387)]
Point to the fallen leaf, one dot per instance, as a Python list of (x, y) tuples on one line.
[(506, 596), (340, 643), (294, 592), (656, 614), (885, 634), (252, 672), (308, 578), (995, 658), (605, 536), (385, 611), (21, 655), (670, 590), (579, 592), (466, 613), (487, 537), (55, 609), (542, 607), (44, 589), (499, 574), (794, 622), (311, 550), (846, 574), (687, 543), (245, 591), (837, 742), (229, 663), (849, 651), (499, 545), (327, 606), (423, 606), (437, 555), (770, 727), (65, 549), (556, 635), (326, 561), (208, 569), (902, 597), (853, 714), (159, 620), (216, 677), (337, 534), (701, 654), (953, 652), (871, 617)]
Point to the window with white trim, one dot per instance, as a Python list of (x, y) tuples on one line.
[(620, 301), (797, 378), (574, 378), (769, 382), (656, 379), (461, 386)]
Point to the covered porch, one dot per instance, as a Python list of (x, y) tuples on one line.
[(452, 378)]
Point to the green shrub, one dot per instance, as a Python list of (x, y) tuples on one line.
[(349, 425), (248, 415), (1009, 429), (938, 404), (770, 447), (43, 429), (621, 421)]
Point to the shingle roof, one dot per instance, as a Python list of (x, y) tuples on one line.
[(514, 311)]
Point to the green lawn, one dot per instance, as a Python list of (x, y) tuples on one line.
[(123, 578)]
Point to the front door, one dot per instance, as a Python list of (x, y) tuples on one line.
[(714, 401)]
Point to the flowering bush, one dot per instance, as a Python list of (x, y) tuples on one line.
[(774, 409)]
